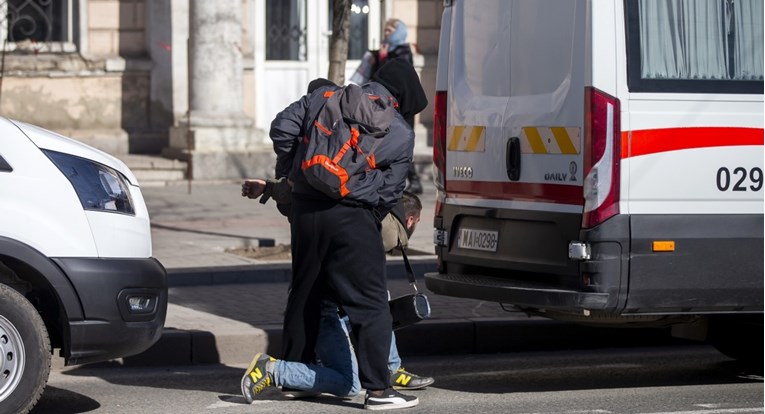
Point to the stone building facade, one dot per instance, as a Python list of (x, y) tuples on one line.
[(195, 80)]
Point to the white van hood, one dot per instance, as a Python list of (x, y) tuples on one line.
[(50, 140)]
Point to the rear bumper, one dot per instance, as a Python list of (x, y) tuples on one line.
[(514, 292), (715, 267), (109, 328)]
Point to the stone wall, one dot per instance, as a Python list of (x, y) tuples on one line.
[(99, 94), (126, 85), (116, 28)]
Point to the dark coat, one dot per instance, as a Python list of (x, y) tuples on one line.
[(401, 52), (381, 187)]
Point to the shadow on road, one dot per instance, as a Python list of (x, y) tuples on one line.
[(58, 401), (589, 369)]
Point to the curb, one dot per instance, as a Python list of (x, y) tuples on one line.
[(444, 337), (279, 271), (219, 340)]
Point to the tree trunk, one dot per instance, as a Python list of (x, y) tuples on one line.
[(338, 45)]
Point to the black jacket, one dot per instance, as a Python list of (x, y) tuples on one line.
[(400, 79), (401, 52), (381, 187)]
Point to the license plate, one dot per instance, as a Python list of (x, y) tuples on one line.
[(473, 239)]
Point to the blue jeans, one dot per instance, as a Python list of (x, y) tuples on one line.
[(337, 372), (394, 360)]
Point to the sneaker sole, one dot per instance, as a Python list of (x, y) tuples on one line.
[(381, 407), (419, 387), (246, 392)]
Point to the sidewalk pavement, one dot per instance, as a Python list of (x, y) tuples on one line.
[(224, 308)]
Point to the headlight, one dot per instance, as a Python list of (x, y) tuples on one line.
[(99, 187)]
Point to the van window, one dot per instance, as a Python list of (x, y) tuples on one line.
[(492, 32), (695, 45)]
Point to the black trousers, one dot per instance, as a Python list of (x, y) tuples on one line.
[(337, 252)]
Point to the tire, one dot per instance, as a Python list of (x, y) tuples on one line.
[(25, 353), (738, 337)]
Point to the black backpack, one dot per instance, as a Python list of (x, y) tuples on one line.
[(343, 127)]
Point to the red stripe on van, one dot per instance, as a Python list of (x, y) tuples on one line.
[(550, 193), (652, 141)]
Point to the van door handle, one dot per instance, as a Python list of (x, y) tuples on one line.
[(514, 159)]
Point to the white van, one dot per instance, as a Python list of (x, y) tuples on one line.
[(601, 161), (76, 266)]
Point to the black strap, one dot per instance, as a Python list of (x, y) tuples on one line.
[(267, 191), (408, 266)]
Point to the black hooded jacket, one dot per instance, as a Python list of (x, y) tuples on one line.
[(383, 186), (403, 52), (396, 76)]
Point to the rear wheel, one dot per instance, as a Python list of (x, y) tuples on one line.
[(24, 353), (739, 337)]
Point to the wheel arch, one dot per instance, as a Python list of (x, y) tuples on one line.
[(44, 284)]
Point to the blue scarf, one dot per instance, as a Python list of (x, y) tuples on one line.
[(397, 38)]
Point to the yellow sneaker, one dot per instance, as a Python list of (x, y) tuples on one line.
[(258, 377), (404, 380)]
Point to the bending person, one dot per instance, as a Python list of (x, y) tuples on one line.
[(337, 252)]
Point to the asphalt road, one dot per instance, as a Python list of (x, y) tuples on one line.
[(667, 380)]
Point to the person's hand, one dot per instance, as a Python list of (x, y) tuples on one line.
[(383, 52), (253, 188)]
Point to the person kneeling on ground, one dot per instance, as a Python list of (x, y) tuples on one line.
[(335, 254), (396, 228)]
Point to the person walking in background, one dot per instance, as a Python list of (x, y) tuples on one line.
[(337, 252), (394, 46)]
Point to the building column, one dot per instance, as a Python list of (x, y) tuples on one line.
[(215, 136)]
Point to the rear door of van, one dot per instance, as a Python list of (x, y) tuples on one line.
[(512, 167)]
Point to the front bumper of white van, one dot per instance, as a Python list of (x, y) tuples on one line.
[(123, 302)]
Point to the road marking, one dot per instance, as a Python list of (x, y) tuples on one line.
[(234, 401), (596, 411), (719, 411), (714, 411)]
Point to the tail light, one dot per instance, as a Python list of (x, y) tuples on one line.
[(601, 157), (439, 140)]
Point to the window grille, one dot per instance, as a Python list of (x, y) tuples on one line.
[(37, 25), (286, 30)]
